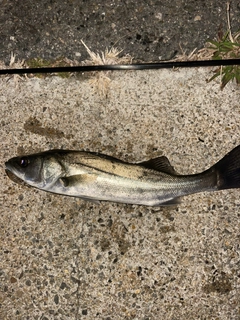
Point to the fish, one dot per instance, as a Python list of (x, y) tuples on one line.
[(97, 177)]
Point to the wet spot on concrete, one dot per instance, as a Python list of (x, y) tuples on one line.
[(33, 125), (218, 283)]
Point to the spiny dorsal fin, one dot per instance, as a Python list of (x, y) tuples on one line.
[(161, 164)]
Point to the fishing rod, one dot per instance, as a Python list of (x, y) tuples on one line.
[(120, 67)]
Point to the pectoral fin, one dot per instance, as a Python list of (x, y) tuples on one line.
[(75, 180)]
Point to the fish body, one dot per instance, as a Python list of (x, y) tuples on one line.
[(93, 176)]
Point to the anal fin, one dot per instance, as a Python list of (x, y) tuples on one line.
[(90, 200), (172, 202)]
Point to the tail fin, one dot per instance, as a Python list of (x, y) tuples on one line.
[(228, 170)]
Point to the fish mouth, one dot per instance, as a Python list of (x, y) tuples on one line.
[(11, 174), (8, 166), (13, 177), (8, 169)]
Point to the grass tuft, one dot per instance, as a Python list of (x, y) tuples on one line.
[(101, 80), (227, 47)]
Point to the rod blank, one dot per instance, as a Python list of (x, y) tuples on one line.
[(119, 67)]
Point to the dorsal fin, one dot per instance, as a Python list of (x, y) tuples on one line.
[(161, 164)]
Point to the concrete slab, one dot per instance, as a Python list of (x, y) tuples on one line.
[(63, 258)]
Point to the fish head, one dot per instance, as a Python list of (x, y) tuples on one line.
[(38, 170)]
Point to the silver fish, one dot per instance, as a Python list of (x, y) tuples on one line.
[(93, 176)]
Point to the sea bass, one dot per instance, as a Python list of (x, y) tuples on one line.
[(93, 176)]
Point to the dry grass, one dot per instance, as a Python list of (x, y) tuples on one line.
[(14, 64), (101, 79)]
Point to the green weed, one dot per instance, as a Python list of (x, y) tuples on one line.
[(41, 63), (226, 47)]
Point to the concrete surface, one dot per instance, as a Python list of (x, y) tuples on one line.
[(63, 258)]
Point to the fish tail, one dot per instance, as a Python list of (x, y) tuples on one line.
[(228, 170)]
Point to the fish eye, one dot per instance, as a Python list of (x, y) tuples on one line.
[(24, 162)]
